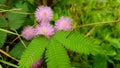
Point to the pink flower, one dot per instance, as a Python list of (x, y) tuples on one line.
[(63, 23), (28, 32), (43, 13), (37, 64), (45, 29)]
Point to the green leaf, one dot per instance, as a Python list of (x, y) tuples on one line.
[(109, 50), (116, 43), (100, 61), (15, 21), (1, 66), (55, 17), (22, 5), (3, 36), (3, 22), (77, 42), (113, 41), (31, 1), (78, 65), (117, 57), (18, 50), (2, 1), (33, 52), (57, 56)]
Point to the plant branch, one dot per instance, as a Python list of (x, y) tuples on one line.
[(90, 32), (8, 63), (19, 11), (21, 40), (14, 40), (98, 23), (3, 10), (3, 52), (8, 31)]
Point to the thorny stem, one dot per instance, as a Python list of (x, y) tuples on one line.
[(99, 23), (5, 53)]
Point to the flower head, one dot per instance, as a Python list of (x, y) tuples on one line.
[(45, 29), (37, 64), (63, 23), (43, 13), (28, 32)]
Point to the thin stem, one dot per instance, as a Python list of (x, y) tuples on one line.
[(3, 10), (8, 31), (14, 11), (3, 52), (13, 40), (3, 5), (99, 23), (21, 12), (21, 40), (8, 63), (90, 32)]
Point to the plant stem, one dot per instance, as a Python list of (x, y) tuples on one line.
[(98, 23), (90, 32), (3, 10), (13, 40), (8, 63), (19, 11), (3, 52), (21, 40), (7, 31)]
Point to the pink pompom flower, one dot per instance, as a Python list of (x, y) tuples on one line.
[(43, 13), (37, 64), (45, 29), (63, 23), (28, 32)]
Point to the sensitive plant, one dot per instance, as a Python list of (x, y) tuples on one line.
[(28, 32), (45, 29), (63, 23), (91, 42), (43, 13), (37, 64), (55, 41)]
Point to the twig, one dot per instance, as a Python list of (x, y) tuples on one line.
[(3, 10), (13, 40), (90, 32), (8, 31), (18, 12), (15, 10), (8, 63), (99, 23), (3, 52), (21, 40)]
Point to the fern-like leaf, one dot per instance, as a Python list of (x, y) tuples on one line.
[(57, 56), (3, 36), (77, 42), (33, 52)]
